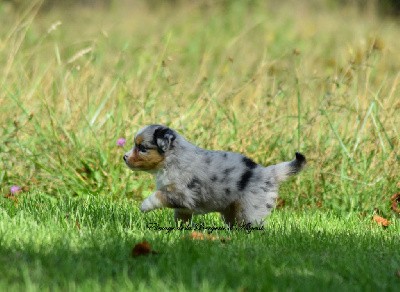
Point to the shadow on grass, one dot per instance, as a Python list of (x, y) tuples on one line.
[(272, 259)]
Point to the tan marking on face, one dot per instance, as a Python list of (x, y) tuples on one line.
[(150, 160), (139, 139)]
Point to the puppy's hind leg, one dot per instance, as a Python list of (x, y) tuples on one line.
[(245, 213), (232, 214), (183, 215), (256, 208)]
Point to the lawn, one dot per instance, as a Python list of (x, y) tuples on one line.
[(87, 244), (262, 78)]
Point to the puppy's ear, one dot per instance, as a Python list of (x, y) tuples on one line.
[(163, 138)]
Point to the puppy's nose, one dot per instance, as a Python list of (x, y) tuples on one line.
[(125, 157)]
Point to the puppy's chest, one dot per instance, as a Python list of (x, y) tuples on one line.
[(168, 181), (163, 181)]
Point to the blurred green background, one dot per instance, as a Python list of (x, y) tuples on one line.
[(265, 78)]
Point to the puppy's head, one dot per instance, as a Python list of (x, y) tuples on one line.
[(151, 144)]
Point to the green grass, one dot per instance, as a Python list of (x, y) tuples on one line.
[(264, 79), (42, 246)]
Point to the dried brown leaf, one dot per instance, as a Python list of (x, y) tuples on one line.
[(142, 248), (381, 221)]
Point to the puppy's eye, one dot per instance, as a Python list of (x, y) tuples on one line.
[(141, 148)]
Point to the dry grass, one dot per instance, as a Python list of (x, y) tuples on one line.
[(265, 80)]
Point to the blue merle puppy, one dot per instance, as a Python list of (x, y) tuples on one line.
[(192, 180)]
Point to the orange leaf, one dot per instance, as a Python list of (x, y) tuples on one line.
[(142, 248), (197, 235), (381, 221)]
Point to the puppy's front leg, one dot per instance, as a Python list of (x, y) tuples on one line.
[(160, 199), (154, 201)]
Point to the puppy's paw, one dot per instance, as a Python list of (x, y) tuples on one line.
[(146, 206)]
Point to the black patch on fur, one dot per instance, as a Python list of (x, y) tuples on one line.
[(227, 171), (214, 178), (194, 183), (160, 133), (269, 206), (225, 155), (300, 157), (227, 191), (245, 179), (249, 163), (269, 184), (297, 164)]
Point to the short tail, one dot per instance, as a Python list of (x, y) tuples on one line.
[(286, 169)]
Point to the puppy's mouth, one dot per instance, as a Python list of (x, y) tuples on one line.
[(149, 164), (126, 160)]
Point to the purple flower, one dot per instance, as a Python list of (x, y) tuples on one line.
[(15, 189), (121, 142)]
